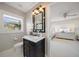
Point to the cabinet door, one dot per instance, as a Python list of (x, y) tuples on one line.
[(25, 48), (27, 51), (32, 52), (40, 49)]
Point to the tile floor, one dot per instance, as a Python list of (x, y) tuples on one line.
[(12, 53)]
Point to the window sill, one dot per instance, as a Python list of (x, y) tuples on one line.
[(13, 32)]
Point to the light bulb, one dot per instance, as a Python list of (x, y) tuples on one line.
[(41, 9), (36, 11), (33, 13)]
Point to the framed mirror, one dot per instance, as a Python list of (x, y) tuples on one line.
[(39, 22)]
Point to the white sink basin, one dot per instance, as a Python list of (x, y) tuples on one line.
[(33, 38)]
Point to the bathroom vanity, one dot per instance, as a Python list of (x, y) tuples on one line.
[(33, 46)]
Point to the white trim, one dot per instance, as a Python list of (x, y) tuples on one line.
[(5, 15)]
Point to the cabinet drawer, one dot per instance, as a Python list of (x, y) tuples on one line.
[(41, 43), (25, 42), (31, 43), (28, 43)]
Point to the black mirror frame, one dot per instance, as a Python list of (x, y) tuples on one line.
[(43, 23)]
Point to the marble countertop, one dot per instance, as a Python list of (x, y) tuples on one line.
[(34, 39)]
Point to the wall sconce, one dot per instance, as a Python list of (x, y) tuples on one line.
[(38, 10)]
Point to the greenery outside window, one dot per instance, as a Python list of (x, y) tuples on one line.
[(12, 23)]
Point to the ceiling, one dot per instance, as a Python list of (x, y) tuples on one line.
[(22, 6), (57, 10)]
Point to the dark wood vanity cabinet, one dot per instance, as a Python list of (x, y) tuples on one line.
[(31, 49)]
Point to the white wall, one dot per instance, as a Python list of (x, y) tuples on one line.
[(29, 22), (7, 39)]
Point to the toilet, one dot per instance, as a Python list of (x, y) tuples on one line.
[(18, 47)]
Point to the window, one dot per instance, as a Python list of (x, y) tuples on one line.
[(12, 23)]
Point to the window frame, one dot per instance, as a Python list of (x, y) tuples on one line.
[(16, 18)]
